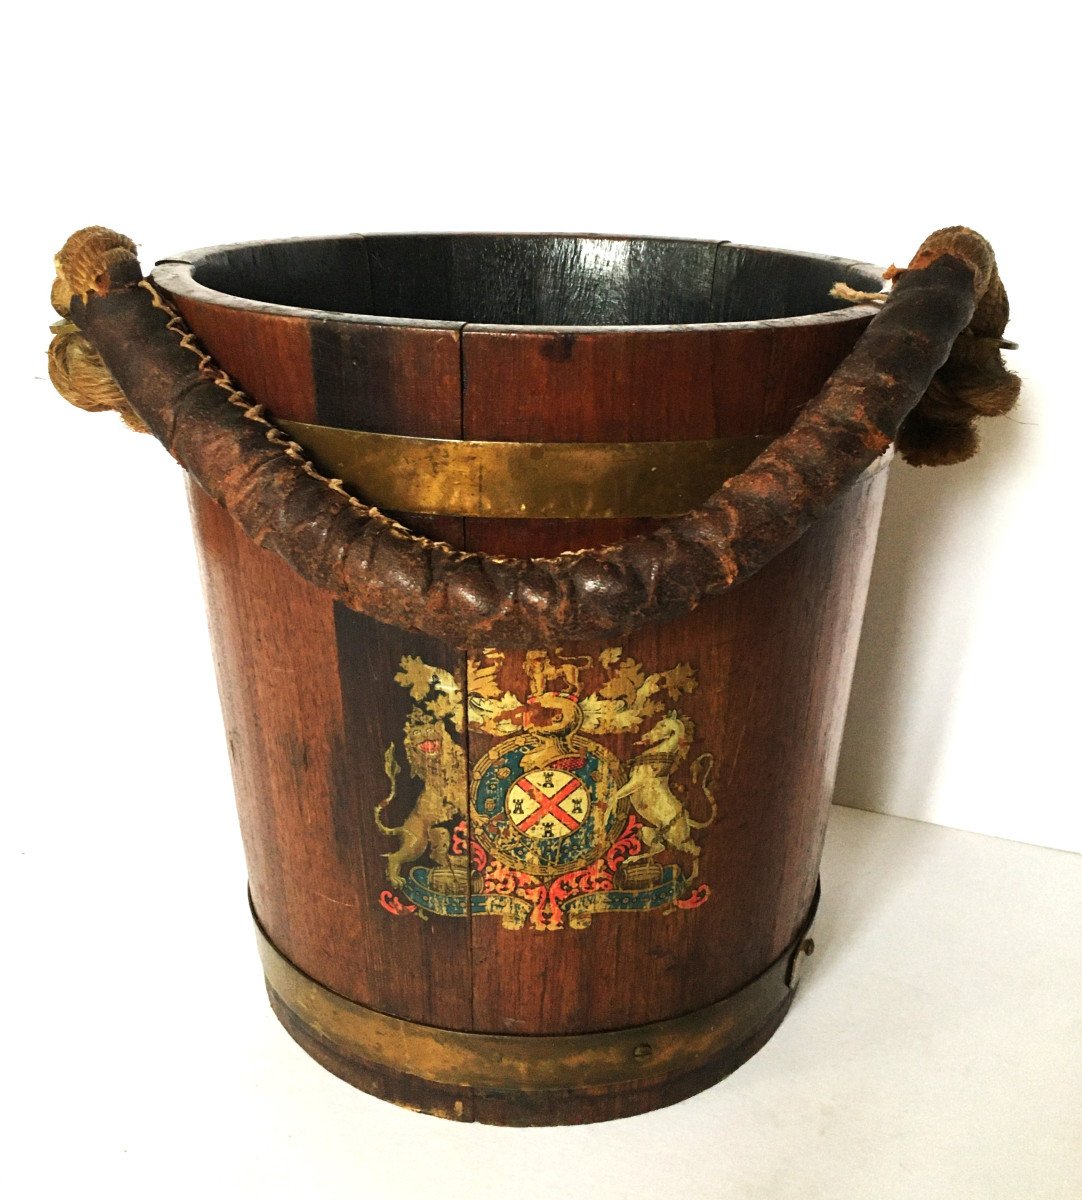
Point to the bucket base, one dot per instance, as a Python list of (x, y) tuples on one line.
[(577, 1106), (501, 1079)]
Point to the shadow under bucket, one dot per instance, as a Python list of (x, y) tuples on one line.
[(533, 799)]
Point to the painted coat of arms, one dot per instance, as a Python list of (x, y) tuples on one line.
[(550, 827)]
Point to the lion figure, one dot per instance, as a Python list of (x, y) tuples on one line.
[(439, 763)]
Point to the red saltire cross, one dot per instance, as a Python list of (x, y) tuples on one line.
[(549, 805)]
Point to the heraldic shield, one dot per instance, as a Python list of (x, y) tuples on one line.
[(558, 827)]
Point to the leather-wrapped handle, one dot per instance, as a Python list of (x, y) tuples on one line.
[(372, 564)]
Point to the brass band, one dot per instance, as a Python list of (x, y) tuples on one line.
[(525, 479), (532, 1063)]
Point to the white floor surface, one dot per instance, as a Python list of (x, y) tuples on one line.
[(934, 1050)]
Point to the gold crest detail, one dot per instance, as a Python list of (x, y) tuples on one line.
[(552, 826)]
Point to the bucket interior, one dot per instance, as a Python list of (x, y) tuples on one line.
[(535, 279)]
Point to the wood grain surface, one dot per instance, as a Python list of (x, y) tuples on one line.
[(308, 687)]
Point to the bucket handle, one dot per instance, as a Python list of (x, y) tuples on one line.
[(928, 364)]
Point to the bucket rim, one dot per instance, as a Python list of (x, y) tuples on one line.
[(176, 274)]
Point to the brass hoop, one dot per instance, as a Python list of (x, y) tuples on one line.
[(539, 1063)]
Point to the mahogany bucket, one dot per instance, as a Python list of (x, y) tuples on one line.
[(535, 567), (555, 882)]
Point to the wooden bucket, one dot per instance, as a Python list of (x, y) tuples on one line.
[(551, 883)]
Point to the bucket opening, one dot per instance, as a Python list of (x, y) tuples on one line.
[(532, 279)]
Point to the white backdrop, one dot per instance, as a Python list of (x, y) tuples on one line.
[(851, 129)]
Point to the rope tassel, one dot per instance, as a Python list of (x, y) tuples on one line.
[(75, 367), (973, 382)]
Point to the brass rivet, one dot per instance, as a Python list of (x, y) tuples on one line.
[(643, 1050)]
